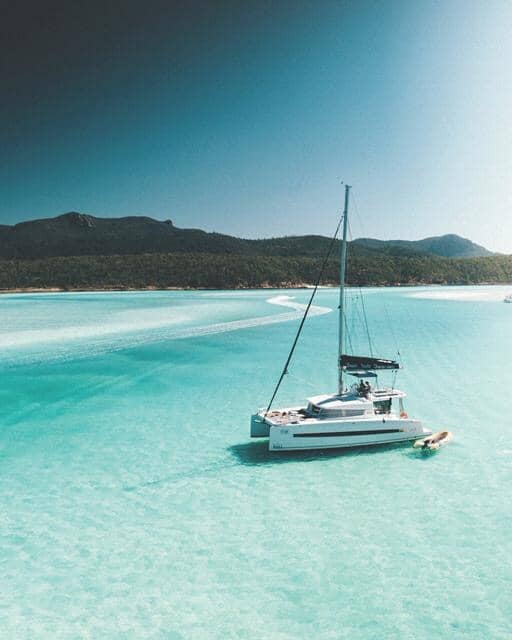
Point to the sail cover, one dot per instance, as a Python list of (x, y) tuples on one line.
[(357, 364)]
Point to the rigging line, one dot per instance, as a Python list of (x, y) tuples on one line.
[(356, 211), (318, 280), (365, 317), (366, 324), (350, 300), (388, 319), (347, 333), (393, 334)]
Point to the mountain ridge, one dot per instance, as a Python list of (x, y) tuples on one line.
[(80, 234), (449, 245)]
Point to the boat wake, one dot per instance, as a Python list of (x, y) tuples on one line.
[(75, 342)]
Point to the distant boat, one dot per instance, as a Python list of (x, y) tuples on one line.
[(508, 298), (362, 414)]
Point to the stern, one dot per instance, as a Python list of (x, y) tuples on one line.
[(259, 426)]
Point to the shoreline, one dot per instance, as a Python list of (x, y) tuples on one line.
[(284, 286)]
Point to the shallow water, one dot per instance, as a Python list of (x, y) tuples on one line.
[(134, 505)]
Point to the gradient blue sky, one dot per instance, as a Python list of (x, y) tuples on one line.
[(243, 117)]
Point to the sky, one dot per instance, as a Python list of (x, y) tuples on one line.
[(244, 117)]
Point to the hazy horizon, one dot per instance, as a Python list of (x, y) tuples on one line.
[(244, 118)]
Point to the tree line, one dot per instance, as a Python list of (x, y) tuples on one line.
[(228, 271)]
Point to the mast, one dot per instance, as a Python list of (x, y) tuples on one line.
[(342, 289)]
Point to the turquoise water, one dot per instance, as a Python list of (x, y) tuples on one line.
[(134, 505)]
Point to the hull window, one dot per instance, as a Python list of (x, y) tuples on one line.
[(336, 434)]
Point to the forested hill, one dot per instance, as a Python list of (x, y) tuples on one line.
[(448, 246), (77, 234), (77, 251)]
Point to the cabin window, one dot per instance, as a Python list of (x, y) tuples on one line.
[(382, 406)]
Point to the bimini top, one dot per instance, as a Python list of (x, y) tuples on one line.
[(362, 366)]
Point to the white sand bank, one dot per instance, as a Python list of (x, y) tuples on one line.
[(466, 294)]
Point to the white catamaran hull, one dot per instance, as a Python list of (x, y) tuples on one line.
[(338, 434), (362, 415)]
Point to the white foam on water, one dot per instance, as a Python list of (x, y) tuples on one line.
[(234, 325), (289, 301), (89, 340), (29, 337)]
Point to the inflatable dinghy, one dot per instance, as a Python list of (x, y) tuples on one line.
[(434, 442)]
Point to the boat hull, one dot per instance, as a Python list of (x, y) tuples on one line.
[(342, 434), (260, 428), (434, 442)]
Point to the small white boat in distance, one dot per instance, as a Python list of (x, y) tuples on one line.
[(434, 442), (363, 414), (508, 298)]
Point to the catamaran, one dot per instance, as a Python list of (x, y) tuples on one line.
[(360, 414)]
